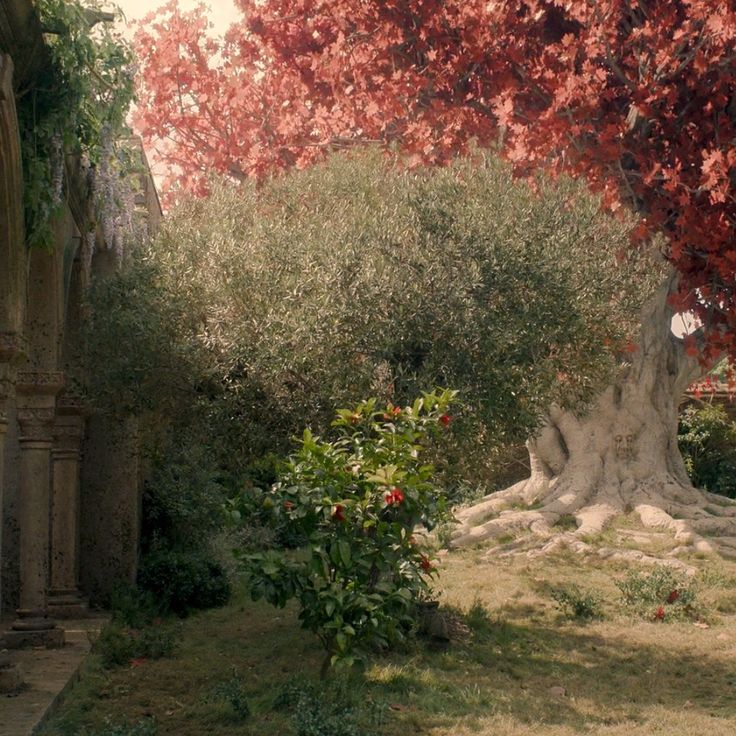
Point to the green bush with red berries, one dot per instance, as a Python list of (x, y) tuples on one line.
[(358, 500)]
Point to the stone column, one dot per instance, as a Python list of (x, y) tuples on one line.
[(65, 600), (36, 393), (10, 350)]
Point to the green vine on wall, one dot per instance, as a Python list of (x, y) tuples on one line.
[(77, 105)]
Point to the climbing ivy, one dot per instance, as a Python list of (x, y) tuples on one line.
[(77, 104)]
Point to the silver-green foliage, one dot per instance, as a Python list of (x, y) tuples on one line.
[(359, 277)]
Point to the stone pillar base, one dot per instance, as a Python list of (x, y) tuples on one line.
[(10, 679), (33, 629), (66, 604), (45, 638)]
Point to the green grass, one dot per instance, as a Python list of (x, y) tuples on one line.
[(621, 677)]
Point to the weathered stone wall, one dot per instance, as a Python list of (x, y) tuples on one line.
[(69, 479)]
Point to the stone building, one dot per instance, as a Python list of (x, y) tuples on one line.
[(69, 479)]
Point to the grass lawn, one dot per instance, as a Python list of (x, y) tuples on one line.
[(516, 667)]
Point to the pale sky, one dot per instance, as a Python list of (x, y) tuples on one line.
[(222, 12)]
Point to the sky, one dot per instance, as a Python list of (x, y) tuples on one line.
[(222, 12)]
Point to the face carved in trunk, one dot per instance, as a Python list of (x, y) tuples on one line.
[(625, 446)]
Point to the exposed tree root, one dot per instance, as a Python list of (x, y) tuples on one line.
[(621, 458), (516, 521)]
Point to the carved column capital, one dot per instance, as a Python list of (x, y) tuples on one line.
[(39, 383), (68, 431), (36, 425), (36, 392)]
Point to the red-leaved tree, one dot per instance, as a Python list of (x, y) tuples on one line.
[(638, 97)]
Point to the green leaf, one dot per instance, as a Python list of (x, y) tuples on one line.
[(342, 641), (344, 550)]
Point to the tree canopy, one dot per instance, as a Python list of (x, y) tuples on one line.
[(638, 97), (358, 277)]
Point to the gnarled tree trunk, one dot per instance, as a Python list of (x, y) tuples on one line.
[(621, 457)]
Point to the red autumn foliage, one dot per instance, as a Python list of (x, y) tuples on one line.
[(636, 96)]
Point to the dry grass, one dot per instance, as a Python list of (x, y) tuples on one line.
[(620, 676)]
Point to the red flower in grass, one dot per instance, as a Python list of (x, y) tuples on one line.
[(395, 497), (391, 413), (673, 596), (659, 614), (339, 512), (445, 420)]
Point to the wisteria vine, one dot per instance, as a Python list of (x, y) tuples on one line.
[(77, 107)]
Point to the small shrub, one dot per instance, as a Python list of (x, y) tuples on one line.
[(659, 595), (132, 606), (146, 727), (157, 641), (341, 710), (117, 645), (357, 500), (184, 581), (233, 693), (577, 603), (314, 717)]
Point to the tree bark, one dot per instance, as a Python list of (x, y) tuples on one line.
[(621, 457)]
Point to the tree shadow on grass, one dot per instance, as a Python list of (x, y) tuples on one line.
[(511, 669)]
